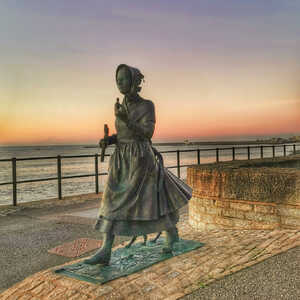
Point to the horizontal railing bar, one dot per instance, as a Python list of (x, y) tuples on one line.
[(187, 150), (190, 150), (83, 175), (77, 176), (169, 151), (52, 178), (5, 183), (227, 148), (210, 149), (79, 156), (52, 157), (6, 159), (37, 180), (35, 158)]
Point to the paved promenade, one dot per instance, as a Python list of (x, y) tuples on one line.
[(190, 275)]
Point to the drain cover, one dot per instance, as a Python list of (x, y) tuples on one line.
[(76, 248)]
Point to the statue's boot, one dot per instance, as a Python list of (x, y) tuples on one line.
[(102, 256), (171, 238)]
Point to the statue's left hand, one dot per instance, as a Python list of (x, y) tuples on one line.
[(120, 112)]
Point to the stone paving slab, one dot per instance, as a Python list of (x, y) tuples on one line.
[(224, 252)]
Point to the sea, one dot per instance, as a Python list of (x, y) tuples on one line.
[(47, 168)]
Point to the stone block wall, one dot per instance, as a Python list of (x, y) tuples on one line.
[(241, 195)]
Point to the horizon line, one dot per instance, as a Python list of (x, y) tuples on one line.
[(158, 141)]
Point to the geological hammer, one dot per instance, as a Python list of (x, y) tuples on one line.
[(106, 131)]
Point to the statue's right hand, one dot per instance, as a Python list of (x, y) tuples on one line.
[(104, 143)]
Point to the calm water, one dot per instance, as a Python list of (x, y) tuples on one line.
[(47, 168)]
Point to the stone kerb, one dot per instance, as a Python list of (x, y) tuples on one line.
[(257, 194)]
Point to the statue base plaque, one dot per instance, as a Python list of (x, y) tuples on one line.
[(126, 261)]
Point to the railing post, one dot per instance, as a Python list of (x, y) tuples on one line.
[(217, 154), (248, 152), (294, 148), (233, 153), (284, 150), (96, 174), (261, 151), (273, 150), (59, 176), (14, 178), (198, 156), (178, 163)]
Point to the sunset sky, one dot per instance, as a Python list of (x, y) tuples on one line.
[(214, 69)]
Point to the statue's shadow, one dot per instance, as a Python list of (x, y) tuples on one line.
[(125, 261)]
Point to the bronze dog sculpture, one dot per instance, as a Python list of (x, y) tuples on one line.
[(145, 240)]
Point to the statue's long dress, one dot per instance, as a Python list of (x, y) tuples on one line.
[(140, 196)]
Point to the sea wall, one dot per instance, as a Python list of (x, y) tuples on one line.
[(256, 194)]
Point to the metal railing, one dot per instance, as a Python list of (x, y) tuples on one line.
[(60, 177)]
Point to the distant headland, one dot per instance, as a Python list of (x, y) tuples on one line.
[(274, 140)]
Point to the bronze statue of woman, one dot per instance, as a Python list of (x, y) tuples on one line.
[(140, 196)]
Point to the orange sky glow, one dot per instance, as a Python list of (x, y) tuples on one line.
[(211, 72)]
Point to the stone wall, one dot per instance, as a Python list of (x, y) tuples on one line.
[(254, 194)]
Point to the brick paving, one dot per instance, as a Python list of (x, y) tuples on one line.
[(76, 248), (224, 252)]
